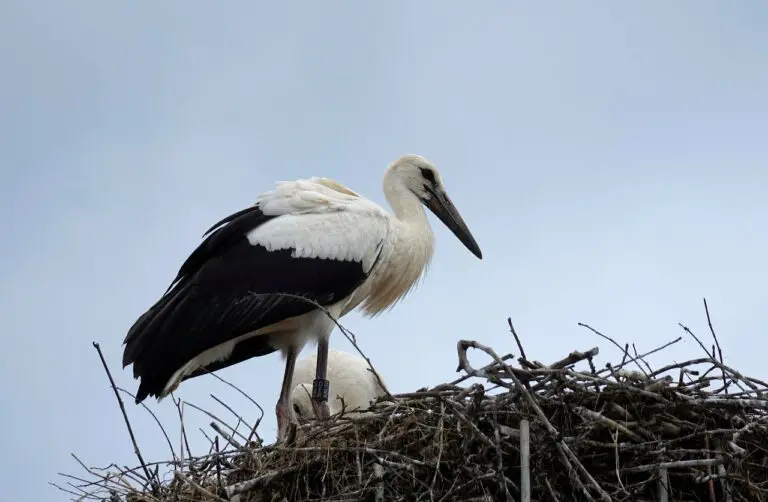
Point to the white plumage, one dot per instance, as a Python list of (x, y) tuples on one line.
[(353, 386), (236, 295)]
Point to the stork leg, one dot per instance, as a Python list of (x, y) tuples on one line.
[(321, 386), (283, 407)]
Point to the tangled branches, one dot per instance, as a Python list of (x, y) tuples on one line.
[(696, 430)]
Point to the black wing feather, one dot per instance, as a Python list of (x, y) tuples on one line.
[(225, 289), (240, 223)]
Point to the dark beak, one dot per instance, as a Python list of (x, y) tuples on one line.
[(440, 204)]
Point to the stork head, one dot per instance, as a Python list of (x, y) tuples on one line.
[(415, 174), (301, 402)]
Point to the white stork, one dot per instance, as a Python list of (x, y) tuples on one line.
[(351, 384), (309, 238)]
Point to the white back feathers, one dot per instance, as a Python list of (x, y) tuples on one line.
[(350, 379)]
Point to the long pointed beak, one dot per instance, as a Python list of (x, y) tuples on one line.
[(440, 204)]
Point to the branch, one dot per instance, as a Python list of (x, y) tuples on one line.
[(125, 416)]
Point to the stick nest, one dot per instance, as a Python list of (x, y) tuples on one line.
[(621, 433)]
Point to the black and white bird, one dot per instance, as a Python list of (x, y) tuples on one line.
[(352, 385), (243, 292)]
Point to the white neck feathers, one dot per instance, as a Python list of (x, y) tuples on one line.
[(408, 251)]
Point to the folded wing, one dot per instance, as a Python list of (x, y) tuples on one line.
[(229, 287)]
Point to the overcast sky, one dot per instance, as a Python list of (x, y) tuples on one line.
[(610, 160)]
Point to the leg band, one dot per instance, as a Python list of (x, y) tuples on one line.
[(320, 389)]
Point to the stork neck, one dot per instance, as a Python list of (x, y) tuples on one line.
[(405, 204)]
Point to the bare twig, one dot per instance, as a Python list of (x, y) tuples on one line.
[(663, 484), (517, 338), (624, 350), (525, 467), (157, 420), (136, 449)]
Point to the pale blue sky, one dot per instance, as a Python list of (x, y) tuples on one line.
[(610, 160)]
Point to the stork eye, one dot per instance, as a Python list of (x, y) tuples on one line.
[(296, 409), (428, 174)]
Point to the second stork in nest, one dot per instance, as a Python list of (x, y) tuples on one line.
[(255, 284)]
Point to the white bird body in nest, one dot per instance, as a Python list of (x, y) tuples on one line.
[(352, 385), (243, 292)]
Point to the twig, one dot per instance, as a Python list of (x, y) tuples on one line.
[(717, 344), (555, 498), (184, 479), (722, 474), (500, 457), (439, 441), (231, 440), (183, 433), (710, 482), (663, 484), (218, 465), (248, 397), (157, 420), (525, 465), (517, 339), (700, 462), (624, 350), (222, 422), (625, 361), (125, 415)]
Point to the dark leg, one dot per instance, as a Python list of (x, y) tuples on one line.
[(321, 386), (284, 402)]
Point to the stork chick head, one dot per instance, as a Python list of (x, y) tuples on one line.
[(301, 402), (413, 175), (353, 402)]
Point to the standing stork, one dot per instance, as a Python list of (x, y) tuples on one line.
[(313, 240)]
